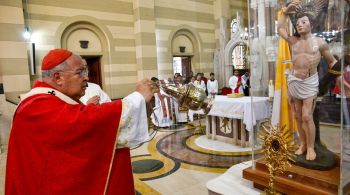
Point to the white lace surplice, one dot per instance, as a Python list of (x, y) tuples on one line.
[(133, 128)]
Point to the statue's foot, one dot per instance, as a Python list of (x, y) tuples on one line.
[(300, 150), (310, 154)]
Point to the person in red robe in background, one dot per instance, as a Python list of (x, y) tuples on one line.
[(237, 89), (60, 146), (235, 82), (204, 78)]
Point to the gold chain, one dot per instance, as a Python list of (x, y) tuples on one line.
[(335, 72)]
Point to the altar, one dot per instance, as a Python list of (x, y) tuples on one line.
[(232, 119)]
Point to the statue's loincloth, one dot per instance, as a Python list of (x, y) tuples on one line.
[(302, 89)]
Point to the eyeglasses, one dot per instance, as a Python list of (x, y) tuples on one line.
[(82, 72)]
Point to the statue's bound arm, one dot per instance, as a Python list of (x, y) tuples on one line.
[(334, 67), (326, 53), (331, 75), (282, 26)]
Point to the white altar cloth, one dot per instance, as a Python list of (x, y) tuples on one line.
[(240, 108)]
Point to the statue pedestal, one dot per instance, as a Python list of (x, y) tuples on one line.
[(296, 179)]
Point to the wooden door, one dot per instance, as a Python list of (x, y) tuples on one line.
[(186, 66), (94, 66)]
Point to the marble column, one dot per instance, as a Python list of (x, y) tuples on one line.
[(146, 49), (14, 69), (263, 44), (222, 14)]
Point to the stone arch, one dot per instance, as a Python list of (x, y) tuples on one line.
[(229, 49), (193, 36), (93, 25), (228, 56)]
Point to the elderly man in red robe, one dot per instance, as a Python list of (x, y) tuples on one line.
[(60, 146)]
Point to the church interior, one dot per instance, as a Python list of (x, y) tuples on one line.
[(221, 150)]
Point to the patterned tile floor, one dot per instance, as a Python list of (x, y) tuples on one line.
[(171, 148), (185, 171)]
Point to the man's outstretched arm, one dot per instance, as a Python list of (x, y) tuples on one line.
[(282, 22)]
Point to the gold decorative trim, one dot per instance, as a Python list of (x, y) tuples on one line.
[(143, 188), (200, 168), (278, 149), (235, 95), (335, 72), (113, 154)]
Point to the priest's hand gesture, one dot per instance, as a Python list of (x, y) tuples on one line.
[(94, 100)]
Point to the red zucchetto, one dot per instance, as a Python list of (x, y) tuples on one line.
[(54, 58)]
